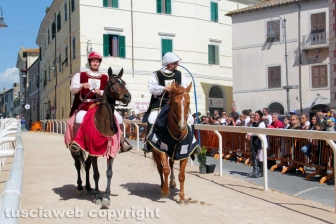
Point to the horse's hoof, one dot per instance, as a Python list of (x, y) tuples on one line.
[(90, 192), (106, 202), (98, 201), (165, 195), (182, 202), (80, 192), (172, 184)]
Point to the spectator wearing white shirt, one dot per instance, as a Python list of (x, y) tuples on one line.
[(266, 113)]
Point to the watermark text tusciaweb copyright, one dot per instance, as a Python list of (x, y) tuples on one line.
[(109, 214)]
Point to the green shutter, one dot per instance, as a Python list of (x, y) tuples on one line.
[(122, 48), (168, 6), (166, 46), (105, 3), (106, 52), (115, 3), (216, 55), (214, 11), (158, 6), (210, 54)]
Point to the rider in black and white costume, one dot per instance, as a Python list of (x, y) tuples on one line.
[(157, 85)]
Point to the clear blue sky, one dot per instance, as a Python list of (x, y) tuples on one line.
[(23, 18)]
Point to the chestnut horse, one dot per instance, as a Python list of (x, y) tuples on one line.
[(176, 122), (115, 90)]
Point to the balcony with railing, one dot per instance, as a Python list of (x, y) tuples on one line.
[(315, 41)]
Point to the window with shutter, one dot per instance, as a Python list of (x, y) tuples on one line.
[(122, 46), (73, 48), (58, 22), (114, 45), (106, 45), (314, 22), (53, 29), (318, 22), (274, 77), (214, 11), (66, 55), (275, 26), (40, 53), (115, 3), (60, 63), (319, 76), (65, 12), (163, 6), (168, 6), (48, 36), (105, 3), (49, 73), (166, 46), (45, 79), (210, 54), (159, 6), (72, 5), (213, 54)]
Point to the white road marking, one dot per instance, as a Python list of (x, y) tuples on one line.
[(309, 189)]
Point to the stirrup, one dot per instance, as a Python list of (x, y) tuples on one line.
[(145, 148)]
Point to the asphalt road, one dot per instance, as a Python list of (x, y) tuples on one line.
[(292, 183)]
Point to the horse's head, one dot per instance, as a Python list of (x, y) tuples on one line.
[(116, 88), (179, 102)]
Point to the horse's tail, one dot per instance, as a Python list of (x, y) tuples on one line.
[(82, 158)]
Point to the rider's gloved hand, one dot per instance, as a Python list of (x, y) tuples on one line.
[(86, 85)]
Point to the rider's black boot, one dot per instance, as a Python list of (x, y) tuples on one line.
[(146, 147), (261, 169)]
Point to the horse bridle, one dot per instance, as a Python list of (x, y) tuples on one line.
[(111, 104), (187, 118)]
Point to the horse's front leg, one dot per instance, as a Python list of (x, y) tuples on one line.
[(78, 168), (172, 183), (109, 173), (159, 166), (87, 173), (98, 198), (183, 164), (166, 170)]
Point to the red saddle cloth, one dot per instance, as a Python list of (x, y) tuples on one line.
[(96, 144)]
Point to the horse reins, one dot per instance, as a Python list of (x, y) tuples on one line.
[(176, 122), (112, 104)]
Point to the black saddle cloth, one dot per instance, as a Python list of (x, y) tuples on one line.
[(162, 141)]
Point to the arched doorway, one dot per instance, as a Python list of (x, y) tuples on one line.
[(276, 108), (318, 107), (216, 99)]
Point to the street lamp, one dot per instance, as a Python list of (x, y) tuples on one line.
[(87, 47), (2, 21), (270, 34), (88, 51)]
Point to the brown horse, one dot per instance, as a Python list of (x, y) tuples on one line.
[(179, 101), (115, 90)]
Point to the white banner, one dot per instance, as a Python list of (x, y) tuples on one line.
[(140, 106), (216, 102)]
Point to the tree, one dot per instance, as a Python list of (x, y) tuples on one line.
[(47, 9)]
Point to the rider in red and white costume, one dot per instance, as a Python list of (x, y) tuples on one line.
[(84, 81)]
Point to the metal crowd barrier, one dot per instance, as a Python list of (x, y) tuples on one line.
[(293, 138), (11, 194)]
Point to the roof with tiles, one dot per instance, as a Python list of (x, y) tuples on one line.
[(264, 5)]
